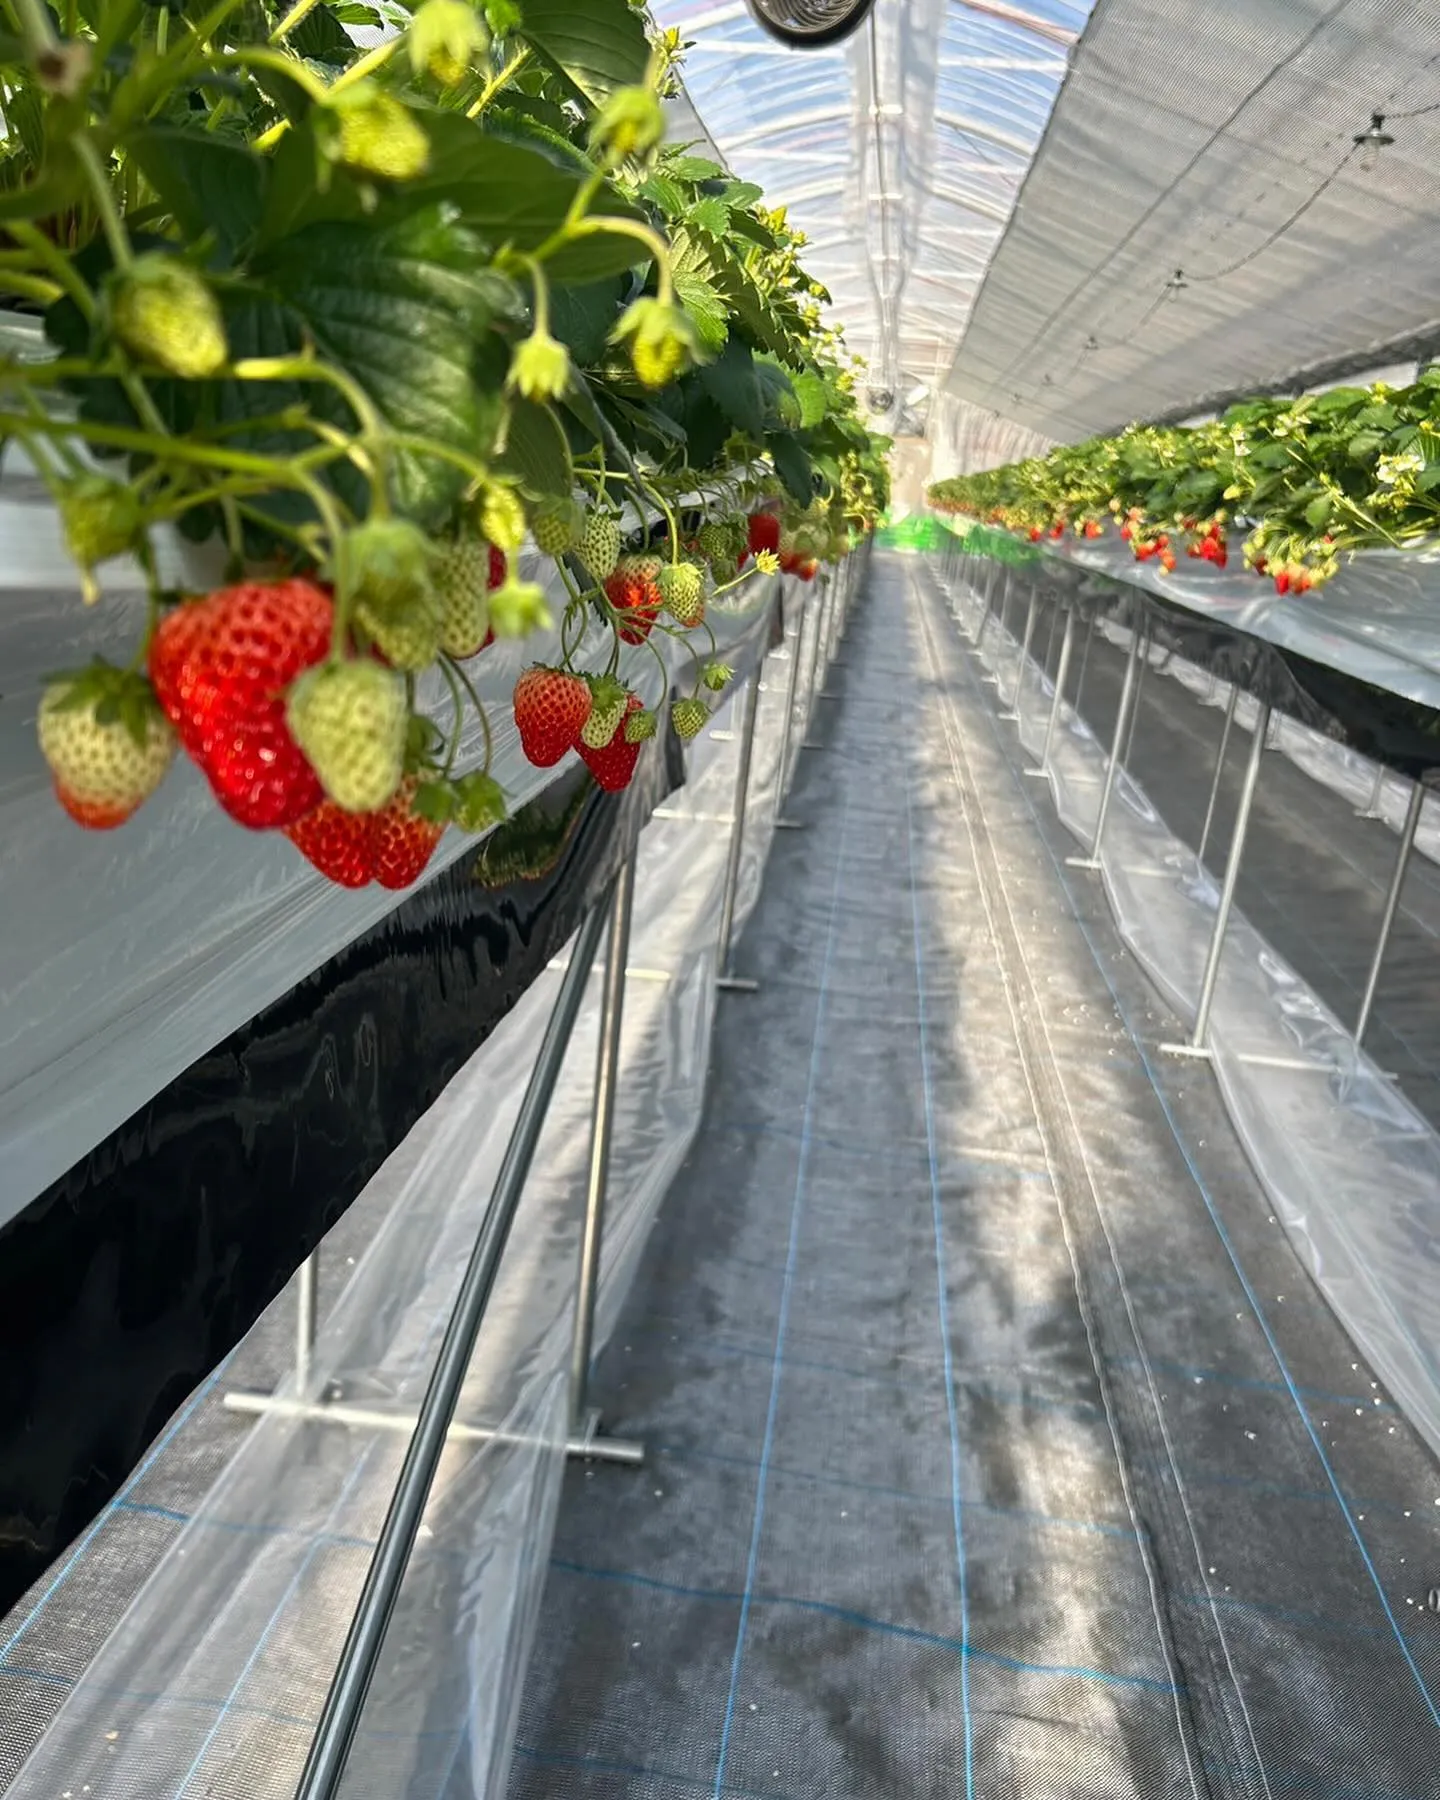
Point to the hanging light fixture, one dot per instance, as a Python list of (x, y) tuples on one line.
[(1176, 285), (809, 24), (1372, 141)]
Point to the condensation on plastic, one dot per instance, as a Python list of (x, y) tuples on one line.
[(1350, 1167), (128, 954), (900, 153), (214, 1678), (1217, 138)]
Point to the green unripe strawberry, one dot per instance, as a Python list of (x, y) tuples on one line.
[(639, 726), (608, 701), (387, 564), (163, 312), (377, 134), (683, 588), (715, 542), (446, 39), (661, 340), (350, 721), (599, 546), (556, 526), (689, 718), (107, 743), (462, 581), (100, 518), (502, 517)]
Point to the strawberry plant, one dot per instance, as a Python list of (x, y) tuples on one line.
[(368, 320), (1300, 482)]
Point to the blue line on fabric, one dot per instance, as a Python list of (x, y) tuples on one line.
[(864, 1621), (147, 1462), (644, 1772), (258, 1646), (849, 1485), (1219, 1378), (1223, 1234), (787, 1288), (943, 1304), (986, 1390)]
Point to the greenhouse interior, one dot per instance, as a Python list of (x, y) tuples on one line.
[(720, 1066)]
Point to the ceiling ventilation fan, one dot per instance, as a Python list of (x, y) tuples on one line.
[(809, 24)]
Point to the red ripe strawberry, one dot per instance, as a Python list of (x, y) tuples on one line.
[(806, 569), (1167, 561), (1282, 582), (220, 668), (401, 842), (1127, 532), (1036, 534), (1093, 528), (614, 766), (550, 708), (763, 532), (336, 842), (1057, 530), (391, 845), (634, 592)]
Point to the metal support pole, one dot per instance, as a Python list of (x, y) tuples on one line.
[(1219, 769), (1139, 690), (1227, 892), (1066, 644), (1014, 713), (782, 772), (1128, 692), (1005, 602), (340, 1715), (1373, 808), (1050, 641), (307, 1294), (810, 691), (1392, 905), (583, 1418), (727, 981), (1084, 662)]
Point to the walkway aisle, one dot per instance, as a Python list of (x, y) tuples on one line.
[(939, 1502)]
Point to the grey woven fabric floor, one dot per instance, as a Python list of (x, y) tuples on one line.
[(998, 1443)]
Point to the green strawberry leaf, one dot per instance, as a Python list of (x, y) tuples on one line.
[(792, 465), (705, 308), (731, 382), (536, 452), (320, 37), (599, 45), (813, 397), (206, 182), (399, 306)]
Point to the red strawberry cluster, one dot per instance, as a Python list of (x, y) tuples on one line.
[(391, 846), (551, 707), (1208, 544)]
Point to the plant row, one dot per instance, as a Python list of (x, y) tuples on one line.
[(368, 320)]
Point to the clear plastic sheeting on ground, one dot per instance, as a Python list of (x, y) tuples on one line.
[(214, 1679), (1371, 789), (237, 919), (1350, 1166)]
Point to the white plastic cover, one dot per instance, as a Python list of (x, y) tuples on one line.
[(1351, 1168), (212, 1682), (1217, 140), (899, 153)]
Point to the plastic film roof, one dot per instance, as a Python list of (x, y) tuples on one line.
[(899, 153), (1217, 140)]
